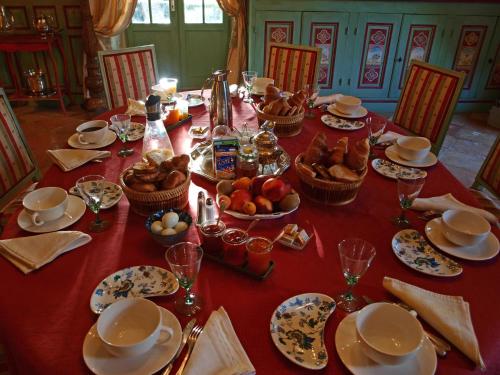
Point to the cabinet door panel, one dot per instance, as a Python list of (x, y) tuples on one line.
[(420, 39), (374, 50), (270, 26), (489, 84), (327, 30)]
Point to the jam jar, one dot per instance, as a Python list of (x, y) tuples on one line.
[(259, 254), (211, 237), (234, 240), (247, 163)]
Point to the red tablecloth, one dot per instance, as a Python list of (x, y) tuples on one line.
[(45, 315)]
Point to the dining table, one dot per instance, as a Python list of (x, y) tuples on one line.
[(45, 315)]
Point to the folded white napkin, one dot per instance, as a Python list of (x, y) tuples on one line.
[(449, 202), (449, 315), (68, 159), (135, 108), (389, 136), (31, 253), (218, 350), (320, 100)]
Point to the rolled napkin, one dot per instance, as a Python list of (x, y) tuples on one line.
[(218, 350), (320, 100), (389, 136), (135, 108), (68, 159), (31, 253), (449, 202), (449, 315)]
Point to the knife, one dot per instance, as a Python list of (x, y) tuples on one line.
[(185, 333)]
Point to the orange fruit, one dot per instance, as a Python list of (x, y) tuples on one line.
[(243, 183), (249, 208)]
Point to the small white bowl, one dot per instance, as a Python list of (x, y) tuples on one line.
[(347, 104), (413, 148), (388, 334), (465, 228)]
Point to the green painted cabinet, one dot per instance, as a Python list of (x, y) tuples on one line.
[(489, 82)]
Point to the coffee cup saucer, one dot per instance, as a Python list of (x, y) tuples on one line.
[(100, 361), (74, 211), (486, 249), (361, 112), (424, 362), (393, 155), (108, 139)]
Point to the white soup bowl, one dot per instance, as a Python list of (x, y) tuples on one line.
[(413, 148), (348, 104), (464, 228)]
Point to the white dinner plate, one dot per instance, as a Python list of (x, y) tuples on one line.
[(112, 194), (486, 249), (75, 210), (341, 124), (131, 282), (108, 139), (348, 347), (101, 362), (297, 328), (392, 153), (391, 170), (361, 112), (413, 250), (272, 215)]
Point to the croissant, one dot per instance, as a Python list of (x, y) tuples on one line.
[(338, 151), (316, 149), (357, 156), (297, 99)]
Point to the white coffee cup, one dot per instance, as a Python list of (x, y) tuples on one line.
[(347, 104), (92, 131), (46, 204), (131, 327)]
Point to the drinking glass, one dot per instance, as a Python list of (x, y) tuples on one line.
[(356, 256), (249, 77), (91, 189), (121, 123), (184, 259), (376, 127), (312, 92), (408, 189)]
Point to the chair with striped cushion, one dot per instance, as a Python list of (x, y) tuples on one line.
[(128, 73), (428, 100), (489, 174), (292, 66), (17, 165)]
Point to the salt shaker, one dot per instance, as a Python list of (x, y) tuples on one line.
[(209, 210)]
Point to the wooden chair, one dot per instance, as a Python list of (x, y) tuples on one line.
[(428, 100), (128, 73), (292, 66), (489, 174), (17, 164)]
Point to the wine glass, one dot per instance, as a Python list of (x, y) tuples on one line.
[(312, 93), (121, 123), (91, 189), (356, 256), (184, 259), (408, 189), (376, 127), (249, 77)]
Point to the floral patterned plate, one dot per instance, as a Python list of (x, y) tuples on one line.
[(112, 194), (297, 327), (340, 123), (391, 170), (135, 131), (412, 249), (138, 281)]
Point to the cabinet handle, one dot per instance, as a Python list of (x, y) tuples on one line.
[(340, 81), (172, 6), (399, 59), (348, 82)]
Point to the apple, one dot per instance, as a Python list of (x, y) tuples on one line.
[(239, 198), (263, 205), (257, 183), (275, 189)]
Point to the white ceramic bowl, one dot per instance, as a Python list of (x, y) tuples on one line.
[(46, 204), (388, 334), (413, 148), (465, 228), (348, 104), (260, 84)]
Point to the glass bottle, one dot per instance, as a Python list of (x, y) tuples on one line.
[(155, 135)]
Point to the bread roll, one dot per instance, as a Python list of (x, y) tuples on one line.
[(338, 151), (297, 99), (156, 157), (304, 168), (293, 111), (322, 171), (272, 93), (286, 108), (148, 177), (316, 149), (175, 178), (275, 107), (343, 174), (141, 168), (357, 156), (180, 162), (143, 187)]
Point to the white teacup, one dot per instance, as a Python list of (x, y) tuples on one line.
[(131, 327), (92, 131), (465, 228), (46, 204), (388, 334), (413, 148), (347, 104)]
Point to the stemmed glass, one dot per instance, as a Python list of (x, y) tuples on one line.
[(356, 256), (91, 189), (408, 189), (376, 127), (122, 124), (249, 77), (184, 259), (312, 93)]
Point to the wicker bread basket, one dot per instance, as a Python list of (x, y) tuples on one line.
[(147, 203), (333, 193), (286, 126)]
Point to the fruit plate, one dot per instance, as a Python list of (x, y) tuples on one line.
[(272, 215), (243, 269)]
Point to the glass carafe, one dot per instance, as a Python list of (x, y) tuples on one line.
[(156, 138)]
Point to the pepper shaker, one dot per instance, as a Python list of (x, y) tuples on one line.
[(201, 214)]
